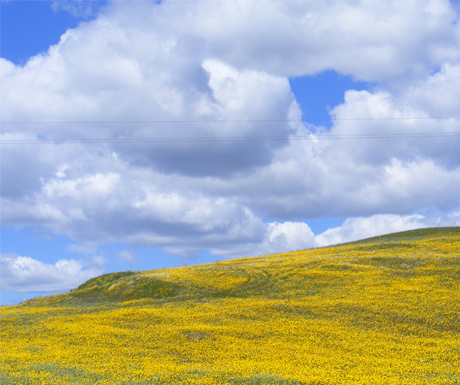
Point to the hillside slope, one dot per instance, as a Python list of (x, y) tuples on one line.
[(378, 311)]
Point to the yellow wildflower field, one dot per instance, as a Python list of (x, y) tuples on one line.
[(381, 311)]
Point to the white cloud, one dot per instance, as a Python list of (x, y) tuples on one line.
[(369, 40), (273, 237), (212, 70), (101, 71), (427, 110), (282, 237), (25, 274), (453, 219), (360, 228), (354, 229), (445, 84), (286, 236)]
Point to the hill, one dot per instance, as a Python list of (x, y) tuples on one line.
[(378, 311)]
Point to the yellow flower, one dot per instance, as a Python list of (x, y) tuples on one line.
[(365, 313)]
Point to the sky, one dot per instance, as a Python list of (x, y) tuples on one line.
[(141, 135)]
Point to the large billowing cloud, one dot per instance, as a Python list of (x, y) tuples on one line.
[(175, 126), (367, 39)]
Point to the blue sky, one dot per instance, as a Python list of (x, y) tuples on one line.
[(44, 28), (155, 131)]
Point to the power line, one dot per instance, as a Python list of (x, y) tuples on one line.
[(232, 138), (305, 120)]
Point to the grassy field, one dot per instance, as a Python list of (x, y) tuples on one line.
[(380, 311)]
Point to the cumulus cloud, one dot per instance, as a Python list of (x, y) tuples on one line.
[(418, 122), (289, 236), (173, 125), (175, 94), (354, 229), (369, 40), (25, 274)]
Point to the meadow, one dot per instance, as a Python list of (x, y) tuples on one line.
[(380, 311)]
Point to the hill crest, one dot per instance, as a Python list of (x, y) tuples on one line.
[(250, 276)]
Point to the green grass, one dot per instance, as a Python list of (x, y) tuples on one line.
[(410, 235)]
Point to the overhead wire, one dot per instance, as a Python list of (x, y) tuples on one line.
[(160, 121), (316, 135), (312, 136)]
